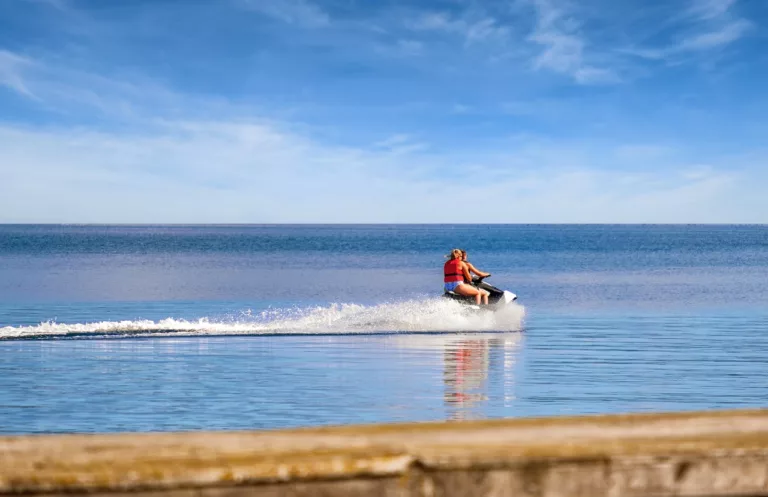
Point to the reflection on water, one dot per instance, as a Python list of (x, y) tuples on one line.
[(559, 365), (465, 377), (183, 383), (466, 369)]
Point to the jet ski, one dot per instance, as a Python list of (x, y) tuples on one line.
[(497, 298)]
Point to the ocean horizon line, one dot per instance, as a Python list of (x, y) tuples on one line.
[(297, 224)]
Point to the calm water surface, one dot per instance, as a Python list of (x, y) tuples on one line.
[(160, 328)]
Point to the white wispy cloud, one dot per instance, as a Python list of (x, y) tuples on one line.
[(238, 171), (484, 29), (64, 89), (473, 29), (400, 144), (300, 12), (62, 5), (410, 47), (715, 25), (709, 9), (12, 67), (704, 25), (394, 140), (563, 46), (722, 35), (401, 48), (437, 21), (461, 109)]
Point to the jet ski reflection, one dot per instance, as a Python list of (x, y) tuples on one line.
[(479, 375)]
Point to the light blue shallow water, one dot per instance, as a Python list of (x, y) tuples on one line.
[(251, 327)]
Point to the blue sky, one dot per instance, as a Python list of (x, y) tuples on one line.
[(261, 111)]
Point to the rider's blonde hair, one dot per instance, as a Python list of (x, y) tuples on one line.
[(455, 254)]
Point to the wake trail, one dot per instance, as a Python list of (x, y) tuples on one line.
[(414, 316)]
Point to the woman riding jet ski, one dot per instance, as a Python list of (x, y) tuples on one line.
[(456, 278), (460, 286)]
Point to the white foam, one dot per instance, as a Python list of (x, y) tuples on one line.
[(430, 315)]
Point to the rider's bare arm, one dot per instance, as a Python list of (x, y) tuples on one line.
[(473, 269), (465, 271)]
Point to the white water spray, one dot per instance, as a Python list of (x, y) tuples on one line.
[(415, 316)]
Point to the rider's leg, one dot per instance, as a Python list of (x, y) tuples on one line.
[(485, 294), (469, 291)]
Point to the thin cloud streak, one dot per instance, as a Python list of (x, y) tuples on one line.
[(12, 67), (722, 36), (62, 5), (299, 12), (65, 90), (563, 50), (710, 9), (711, 25), (483, 28)]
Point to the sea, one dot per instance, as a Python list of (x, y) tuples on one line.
[(154, 328)]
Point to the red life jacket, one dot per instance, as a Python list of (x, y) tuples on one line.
[(452, 271)]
